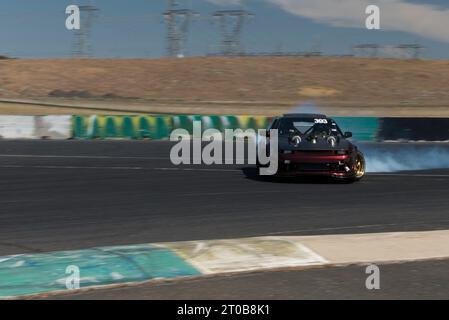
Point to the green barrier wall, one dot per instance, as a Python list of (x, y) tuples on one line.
[(125, 127), (363, 128), (220, 122), (160, 127)]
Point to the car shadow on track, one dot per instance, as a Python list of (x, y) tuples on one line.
[(252, 173)]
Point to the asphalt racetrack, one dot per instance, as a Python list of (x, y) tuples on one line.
[(63, 195)]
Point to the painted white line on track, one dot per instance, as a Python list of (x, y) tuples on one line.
[(190, 169), (368, 174), (43, 156), (70, 167), (78, 157), (193, 169), (114, 168), (234, 193), (408, 175)]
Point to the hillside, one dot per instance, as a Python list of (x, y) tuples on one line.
[(258, 85)]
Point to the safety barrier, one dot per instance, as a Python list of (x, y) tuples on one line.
[(148, 127), (363, 128), (221, 122), (35, 127), (125, 127), (158, 127), (414, 129)]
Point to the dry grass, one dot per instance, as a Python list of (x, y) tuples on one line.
[(255, 85)]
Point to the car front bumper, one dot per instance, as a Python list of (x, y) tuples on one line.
[(316, 164)]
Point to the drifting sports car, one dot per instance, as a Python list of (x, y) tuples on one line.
[(312, 144)]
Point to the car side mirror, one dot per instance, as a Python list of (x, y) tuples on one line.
[(348, 134)]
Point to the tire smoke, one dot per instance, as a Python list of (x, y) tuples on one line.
[(392, 158)]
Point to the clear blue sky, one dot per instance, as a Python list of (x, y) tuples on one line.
[(135, 28)]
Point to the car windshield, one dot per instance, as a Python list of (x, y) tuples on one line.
[(309, 126)]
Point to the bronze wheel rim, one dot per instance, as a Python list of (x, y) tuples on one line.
[(359, 167)]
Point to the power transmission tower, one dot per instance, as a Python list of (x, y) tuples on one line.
[(231, 24), (82, 47), (178, 23)]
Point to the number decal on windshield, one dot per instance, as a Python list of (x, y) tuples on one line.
[(321, 121)]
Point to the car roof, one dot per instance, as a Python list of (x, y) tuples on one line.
[(305, 115)]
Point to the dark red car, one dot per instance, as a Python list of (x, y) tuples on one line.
[(313, 144)]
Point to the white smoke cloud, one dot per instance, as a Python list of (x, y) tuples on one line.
[(400, 159), (424, 20)]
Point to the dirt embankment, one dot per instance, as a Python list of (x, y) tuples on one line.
[(253, 85)]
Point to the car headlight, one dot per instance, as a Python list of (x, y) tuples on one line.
[(332, 141), (296, 140)]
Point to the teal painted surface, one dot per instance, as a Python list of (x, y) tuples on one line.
[(363, 128), (39, 273)]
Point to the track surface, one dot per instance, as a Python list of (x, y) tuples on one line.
[(74, 195), (412, 280)]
